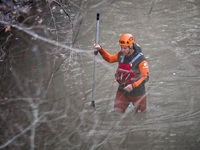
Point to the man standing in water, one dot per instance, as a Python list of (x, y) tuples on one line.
[(132, 74)]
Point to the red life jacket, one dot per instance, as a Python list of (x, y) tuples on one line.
[(124, 74)]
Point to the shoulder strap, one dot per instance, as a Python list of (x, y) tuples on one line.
[(135, 58), (122, 60)]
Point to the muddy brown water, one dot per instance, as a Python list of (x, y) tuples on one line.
[(169, 34)]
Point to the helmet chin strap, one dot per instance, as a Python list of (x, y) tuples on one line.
[(128, 53), (130, 48)]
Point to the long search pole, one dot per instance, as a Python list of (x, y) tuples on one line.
[(95, 53)]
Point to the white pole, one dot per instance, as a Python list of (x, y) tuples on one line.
[(95, 53)]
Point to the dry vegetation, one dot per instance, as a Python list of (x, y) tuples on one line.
[(36, 51)]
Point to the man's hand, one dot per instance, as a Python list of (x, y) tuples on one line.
[(129, 87), (97, 48)]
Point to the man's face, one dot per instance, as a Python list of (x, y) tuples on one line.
[(125, 50)]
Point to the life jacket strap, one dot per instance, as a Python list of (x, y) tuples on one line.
[(133, 60)]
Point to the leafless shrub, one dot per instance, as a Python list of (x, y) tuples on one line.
[(36, 57)]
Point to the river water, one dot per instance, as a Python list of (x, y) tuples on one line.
[(169, 34), (59, 116)]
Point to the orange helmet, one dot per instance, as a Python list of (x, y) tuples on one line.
[(126, 40)]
